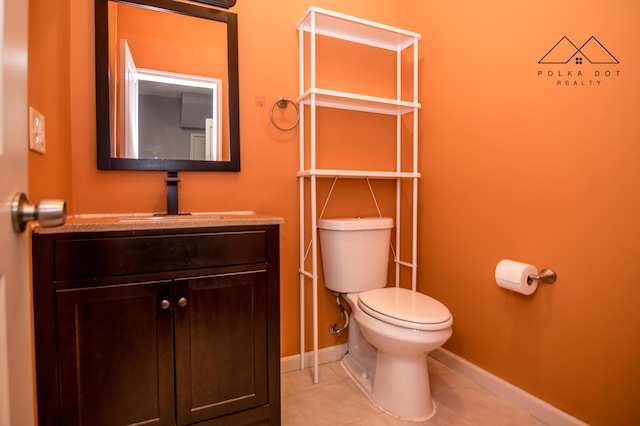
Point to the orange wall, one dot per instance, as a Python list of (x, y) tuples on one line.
[(50, 174), (513, 166)]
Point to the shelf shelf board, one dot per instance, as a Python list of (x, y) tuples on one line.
[(330, 173), (338, 25), (356, 102)]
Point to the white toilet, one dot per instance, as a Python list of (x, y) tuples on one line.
[(391, 330)]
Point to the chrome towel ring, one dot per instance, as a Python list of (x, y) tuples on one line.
[(282, 103)]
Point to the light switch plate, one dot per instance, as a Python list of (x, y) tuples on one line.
[(36, 131)]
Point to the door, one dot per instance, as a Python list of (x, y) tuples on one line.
[(129, 101), (220, 345), (16, 360), (115, 347)]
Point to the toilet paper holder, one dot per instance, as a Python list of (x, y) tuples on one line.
[(546, 275)]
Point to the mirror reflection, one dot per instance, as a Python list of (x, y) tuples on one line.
[(171, 79)]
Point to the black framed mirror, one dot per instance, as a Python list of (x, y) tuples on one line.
[(166, 86)]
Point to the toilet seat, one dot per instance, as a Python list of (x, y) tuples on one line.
[(405, 308)]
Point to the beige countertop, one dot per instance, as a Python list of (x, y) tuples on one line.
[(135, 221)]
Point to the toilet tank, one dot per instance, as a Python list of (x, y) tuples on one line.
[(355, 253)]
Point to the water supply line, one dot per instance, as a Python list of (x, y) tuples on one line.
[(333, 328)]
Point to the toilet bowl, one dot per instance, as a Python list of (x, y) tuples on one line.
[(398, 380), (391, 329)]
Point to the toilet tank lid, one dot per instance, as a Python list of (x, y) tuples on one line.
[(355, 223)]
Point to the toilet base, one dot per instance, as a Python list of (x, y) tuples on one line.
[(399, 383)]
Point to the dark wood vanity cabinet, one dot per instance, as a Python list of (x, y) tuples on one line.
[(158, 327)]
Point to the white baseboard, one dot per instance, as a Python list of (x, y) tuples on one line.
[(330, 354), (529, 403)]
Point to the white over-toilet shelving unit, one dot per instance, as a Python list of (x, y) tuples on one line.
[(332, 24)]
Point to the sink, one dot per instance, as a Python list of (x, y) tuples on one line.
[(227, 213), (172, 218), (150, 218)]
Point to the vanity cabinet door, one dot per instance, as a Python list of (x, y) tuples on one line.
[(220, 345), (116, 355)]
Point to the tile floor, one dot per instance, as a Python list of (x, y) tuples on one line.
[(338, 401)]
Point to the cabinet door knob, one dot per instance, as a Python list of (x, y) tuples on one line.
[(165, 304), (182, 302)]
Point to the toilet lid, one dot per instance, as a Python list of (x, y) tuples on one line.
[(405, 308)]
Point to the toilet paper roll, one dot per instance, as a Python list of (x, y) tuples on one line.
[(514, 276)]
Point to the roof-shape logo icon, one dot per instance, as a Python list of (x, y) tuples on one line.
[(565, 51)]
